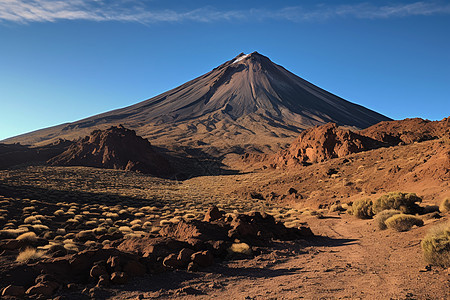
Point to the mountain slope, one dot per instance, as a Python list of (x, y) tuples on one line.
[(247, 100)]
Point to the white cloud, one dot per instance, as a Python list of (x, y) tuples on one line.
[(27, 11)]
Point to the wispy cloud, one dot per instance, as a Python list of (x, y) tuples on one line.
[(27, 11)]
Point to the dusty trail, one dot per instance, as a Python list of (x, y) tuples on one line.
[(352, 260)]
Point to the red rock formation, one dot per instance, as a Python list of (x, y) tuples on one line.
[(324, 142), (408, 131), (114, 148)]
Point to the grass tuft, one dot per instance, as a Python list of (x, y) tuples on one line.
[(403, 222), (436, 246), (381, 217), (29, 254)]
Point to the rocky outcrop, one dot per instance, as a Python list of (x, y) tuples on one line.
[(16, 154), (322, 143), (408, 131), (114, 148), (331, 141)]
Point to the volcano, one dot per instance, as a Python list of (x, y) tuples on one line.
[(248, 100)]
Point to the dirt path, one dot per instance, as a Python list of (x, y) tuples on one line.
[(352, 260)]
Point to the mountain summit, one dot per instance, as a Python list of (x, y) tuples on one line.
[(247, 100)]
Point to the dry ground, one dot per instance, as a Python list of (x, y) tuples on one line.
[(352, 259)]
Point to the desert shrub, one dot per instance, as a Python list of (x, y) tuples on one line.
[(29, 220), (91, 223), (336, 207), (436, 246), (58, 212), (381, 217), (40, 228), (100, 230), (405, 202), (403, 222), (29, 254), (445, 205), (137, 221), (61, 231), (362, 209), (27, 236), (240, 248)]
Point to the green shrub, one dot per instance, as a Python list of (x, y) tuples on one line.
[(436, 246), (383, 216), (402, 222), (445, 205), (362, 209), (405, 202)]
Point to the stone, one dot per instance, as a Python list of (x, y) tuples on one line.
[(172, 261), (13, 291), (203, 258), (119, 278), (97, 271), (213, 214), (11, 244), (192, 267), (134, 268), (113, 262), (184, 257), (43, 288), (103, 281)]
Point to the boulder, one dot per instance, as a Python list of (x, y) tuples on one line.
[(134, 268), (184, 257), (203, 258), (119, 278), (213, 214), (13, 291), (97, 271)]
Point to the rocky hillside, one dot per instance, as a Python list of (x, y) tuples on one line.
[(114, 148)]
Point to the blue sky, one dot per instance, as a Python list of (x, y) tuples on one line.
[(61, 61)]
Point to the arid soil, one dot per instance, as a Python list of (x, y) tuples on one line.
[(260, 226), (353, 260), (349, 258)]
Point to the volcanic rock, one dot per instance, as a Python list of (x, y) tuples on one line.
[(114, 148), (324, 142), (408, 131)]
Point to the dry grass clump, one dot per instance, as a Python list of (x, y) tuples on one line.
[(27, 236), (403, 222), (405, 202), (241, 248), (381, 217), (362, 209), (58, 212), (29, 254), (100, 230), (436, 246), (40, 228), (30, 220), (445, 206)]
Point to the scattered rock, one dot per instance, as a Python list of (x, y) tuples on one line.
[(119, 278), (172, 261), (188, 290), (203, 258), (43, 288), (134, 268), (213, 214), (97, 271), (13, 291), (184, 257)]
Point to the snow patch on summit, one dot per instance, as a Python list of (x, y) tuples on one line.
[(240, 58)]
